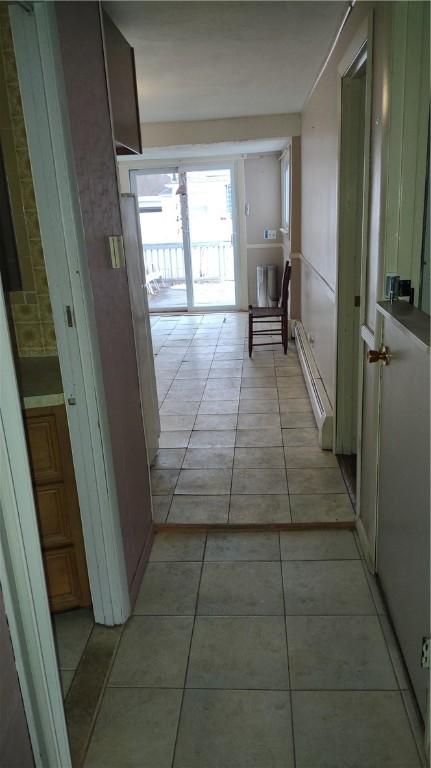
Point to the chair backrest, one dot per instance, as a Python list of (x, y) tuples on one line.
[(284, 297)]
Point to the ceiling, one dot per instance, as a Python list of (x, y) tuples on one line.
[(217, 149), (206, 60)]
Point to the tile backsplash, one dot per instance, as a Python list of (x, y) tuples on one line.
[(31, 307)]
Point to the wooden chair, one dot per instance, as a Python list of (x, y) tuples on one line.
[(265, 315)]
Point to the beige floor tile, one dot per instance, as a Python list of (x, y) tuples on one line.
[(153, 652), (216, 421), (163, 481), (242, 545), (259, 509), (315, 481), (178, 545), (71, 633), (216, 407), (258, 393), (238, 653), (241, 589), (292, 387), (138, 723), (333, 587), (258, 421), (363, 728), (320, 507), (161, 506), (216, 438), (318, 545), (199, 509), (172, 423), (309, 457), (258, 406), (233, 729), (259, 458), (261, 381), (174, 407), (208, 458), (203, 482), (294, 405), (258, 438), (169, 458), (262, 481), (338, 653), (301, 437), (228, 382), (168, 589), (294, 420), (178, 439)]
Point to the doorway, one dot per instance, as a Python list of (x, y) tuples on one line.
[(351, 211), (188, 224)]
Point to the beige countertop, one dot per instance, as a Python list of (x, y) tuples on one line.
[(40, 382)]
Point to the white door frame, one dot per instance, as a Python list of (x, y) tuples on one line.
[(364, 35), (22, 577), (44, 104), (236, 166)]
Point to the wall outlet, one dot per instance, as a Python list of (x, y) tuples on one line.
[(270, 234)]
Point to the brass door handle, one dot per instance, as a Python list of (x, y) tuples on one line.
[(381, 355)]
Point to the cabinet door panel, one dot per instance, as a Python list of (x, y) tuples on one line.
[(53, 518), (44, 449), (62, 578)]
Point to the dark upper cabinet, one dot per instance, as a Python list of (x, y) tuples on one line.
[(120, 62)]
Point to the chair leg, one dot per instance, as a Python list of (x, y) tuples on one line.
[(285, 334), (250, 335)]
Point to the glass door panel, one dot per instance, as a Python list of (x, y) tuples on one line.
[(210, 231), (162, 238)]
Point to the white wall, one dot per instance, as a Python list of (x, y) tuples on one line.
[(319, 151), (263, 198), (229, 129)]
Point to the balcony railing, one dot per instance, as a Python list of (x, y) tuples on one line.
[(211, 261)]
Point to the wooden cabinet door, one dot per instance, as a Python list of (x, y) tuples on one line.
[(57, 508)]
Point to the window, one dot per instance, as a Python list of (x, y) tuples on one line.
[(285, 190)]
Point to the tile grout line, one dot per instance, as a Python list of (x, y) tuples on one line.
[(287, 656), (190, 650)]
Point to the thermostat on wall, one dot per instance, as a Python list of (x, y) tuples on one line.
[(269, 234)]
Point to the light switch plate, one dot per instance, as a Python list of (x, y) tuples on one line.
[(269, 234), (116, 249)]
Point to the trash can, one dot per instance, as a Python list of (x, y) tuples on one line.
[(266, 279)]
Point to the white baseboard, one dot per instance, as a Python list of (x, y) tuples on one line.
[(322, 408)]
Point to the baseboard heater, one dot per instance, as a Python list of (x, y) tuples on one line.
[(320, 404)]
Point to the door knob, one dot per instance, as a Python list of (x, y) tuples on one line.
[(381, 355)]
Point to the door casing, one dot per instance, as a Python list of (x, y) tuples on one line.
[(44, 105)]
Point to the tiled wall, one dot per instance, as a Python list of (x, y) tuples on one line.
[(31, 307)]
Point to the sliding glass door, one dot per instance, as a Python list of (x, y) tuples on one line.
[(210, 221), (187, 219), (162, 238)]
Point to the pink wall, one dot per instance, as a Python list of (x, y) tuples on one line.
[(15, 747), (86, 90)]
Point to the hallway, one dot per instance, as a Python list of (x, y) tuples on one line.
[(239, 442), (268, 649)]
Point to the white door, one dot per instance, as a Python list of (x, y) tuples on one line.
[(141, 323), (403, 543)]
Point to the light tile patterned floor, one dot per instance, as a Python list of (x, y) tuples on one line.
[(256, 650), (71, 633), (239, 441)]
